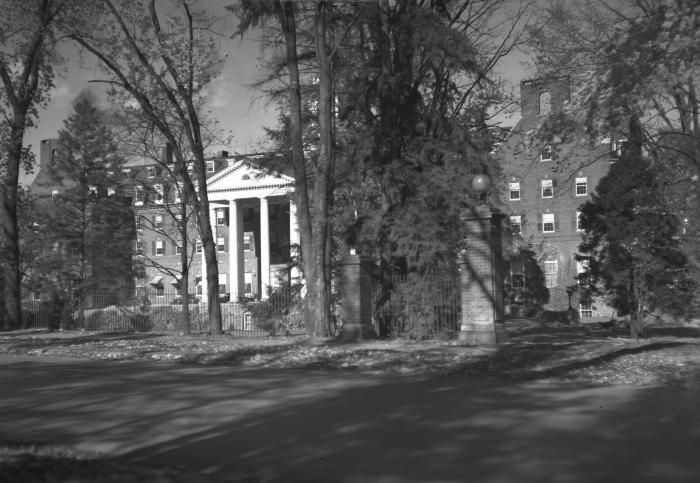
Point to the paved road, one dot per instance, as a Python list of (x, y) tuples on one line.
[(341, 426)]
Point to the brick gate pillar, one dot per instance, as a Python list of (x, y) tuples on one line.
[(481, 279), (356, 298)]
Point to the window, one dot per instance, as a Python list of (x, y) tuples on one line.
[(581, 186), (220, 245), (617, 148), (545, 103), (548, 223), (125, 173), (514, 189), (210, 166), (547, 188), (178, 245), (516, 224), (578, 221), (248, 278), (158, 188), (139, 247), (198, 284), (586, 309), (220, 217), (158, 221), (199, 246), (138, 195), (160, 291), (582, 275), (551, 272), (176, 194), (222, 283), (160, 248), (246, 242), (546, 153), (54, 194), (151, 171), (178, 219), (139, 222)]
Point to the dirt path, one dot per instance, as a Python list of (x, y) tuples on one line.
[(302, 425)]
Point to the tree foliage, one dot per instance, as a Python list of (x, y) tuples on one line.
[(633, 239), (159, 57), (87, 224), (410, 87), (27, 57)]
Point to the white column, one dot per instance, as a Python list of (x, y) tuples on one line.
[(235, 249), (264, 248), (293, 241)]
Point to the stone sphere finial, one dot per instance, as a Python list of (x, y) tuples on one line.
[(481, 183)]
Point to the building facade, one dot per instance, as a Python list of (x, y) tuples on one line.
[(547, 174), (253, 223)]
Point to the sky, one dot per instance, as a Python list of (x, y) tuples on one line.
[(240, 109)]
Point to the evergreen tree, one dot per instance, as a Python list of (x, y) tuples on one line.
[(632, 237), (90, 224)]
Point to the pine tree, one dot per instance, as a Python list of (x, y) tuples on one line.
[(89, 227)]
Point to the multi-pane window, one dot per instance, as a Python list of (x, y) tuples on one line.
[(220, 217), (581, 186), (160, 248), (548, 222), (516, 224), (582, 274), (138, 195), (220, 245), (246, 242), (514, 189), (222, 283), (546, 153), (547, 188), (199, 246), (578, 221), (139, 247), (139, 222), (178, 246), (158, 221), (151, 171), (586, 309), (158, 188), (210, 166), (551, 273)]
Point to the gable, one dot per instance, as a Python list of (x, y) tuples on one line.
[(241, 176)]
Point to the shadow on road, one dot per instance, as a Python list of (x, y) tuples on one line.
[(350, 427)]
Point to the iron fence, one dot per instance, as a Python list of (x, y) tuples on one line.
[(417, 306), (162, 311)]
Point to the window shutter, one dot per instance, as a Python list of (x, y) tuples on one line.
[(164, 245), (556, 224), (539, 223), (523, 223), (174, 247), (153, 247)]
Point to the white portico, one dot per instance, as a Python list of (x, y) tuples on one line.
[(244, 199)]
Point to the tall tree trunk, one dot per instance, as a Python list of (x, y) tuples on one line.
[(311, 198), (10, 231)]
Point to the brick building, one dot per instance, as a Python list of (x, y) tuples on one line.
[(253, 223), (547, 174)]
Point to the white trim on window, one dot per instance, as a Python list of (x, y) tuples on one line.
[(581, 187), (514, 189), (547, 188)]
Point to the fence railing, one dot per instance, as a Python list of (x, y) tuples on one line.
[(163, 311), (417, 306)]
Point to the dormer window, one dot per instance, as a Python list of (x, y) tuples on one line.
[(138, 195), (210, 166), (151, 171), (545, 103), (546, 153)]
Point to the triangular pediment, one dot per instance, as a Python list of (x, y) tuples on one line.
[(242, 176)]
